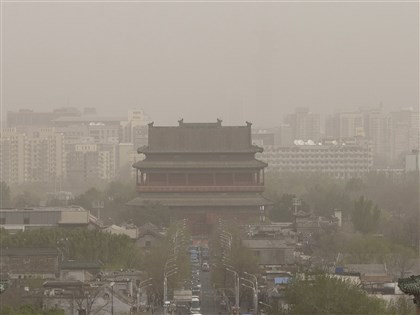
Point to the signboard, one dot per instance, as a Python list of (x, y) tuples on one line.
[(281, 280)]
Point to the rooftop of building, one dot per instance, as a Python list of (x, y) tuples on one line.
[(89, 118), (45, 209), (200, 137)]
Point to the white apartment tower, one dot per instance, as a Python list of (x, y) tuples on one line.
[(12, 156), (45, 155), (35, 156)]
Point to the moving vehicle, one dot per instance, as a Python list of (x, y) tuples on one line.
[(195, 305), (205, 267)]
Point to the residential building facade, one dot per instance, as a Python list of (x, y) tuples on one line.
[(340, 159)]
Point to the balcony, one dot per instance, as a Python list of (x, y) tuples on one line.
[(151, 188)]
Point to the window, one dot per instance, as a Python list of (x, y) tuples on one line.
[(148, 244), (2, 220), (26, 220)]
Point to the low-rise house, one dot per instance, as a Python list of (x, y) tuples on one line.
[(79, 270), (272, 251), (130, 231), (15, 220), (273, 244), (148, 235), (374, 278), (95, 297), (22, 263), (312, 225)]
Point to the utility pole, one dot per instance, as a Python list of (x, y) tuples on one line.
[(112, 297)]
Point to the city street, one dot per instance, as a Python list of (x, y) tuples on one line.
[(209, 300)]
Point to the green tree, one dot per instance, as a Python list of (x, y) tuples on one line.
[(282, 209), (26, 199), (402, 305), (88, 198), (400, 260), (115, 251), (321, 294), (365, 216), (152, 212), (366, 249), (28, 310), (156, 258)]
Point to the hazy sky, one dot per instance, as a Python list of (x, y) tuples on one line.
[(199, 61)]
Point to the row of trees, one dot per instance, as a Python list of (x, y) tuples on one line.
[(114, 251), (377, 204), (323, 294), (324, 193)]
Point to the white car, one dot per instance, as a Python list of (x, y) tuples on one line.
[(195, 305)]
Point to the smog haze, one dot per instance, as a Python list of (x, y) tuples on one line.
[(199, 61)]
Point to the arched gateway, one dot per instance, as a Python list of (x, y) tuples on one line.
[(201, 171)]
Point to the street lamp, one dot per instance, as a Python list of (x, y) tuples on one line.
[(169, 269), (165, 284), (139, 290), (236, 285), (255, 291), (112, 297), (265, 304)]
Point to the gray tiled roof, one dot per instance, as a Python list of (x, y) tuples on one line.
[(200, 138)]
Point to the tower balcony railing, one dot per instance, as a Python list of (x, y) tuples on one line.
[(169, 188)]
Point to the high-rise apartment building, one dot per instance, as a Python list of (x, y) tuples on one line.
[(28, 117), (345, 125), (135, 129), (304, 124), (12, 156), (92, 161), (378, 129), (36, 156), (45, 155)]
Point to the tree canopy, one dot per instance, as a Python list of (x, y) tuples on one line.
[(116, 251), (321, 294), (365, 216)]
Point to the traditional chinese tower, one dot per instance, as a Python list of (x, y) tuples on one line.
[(202, 171)]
